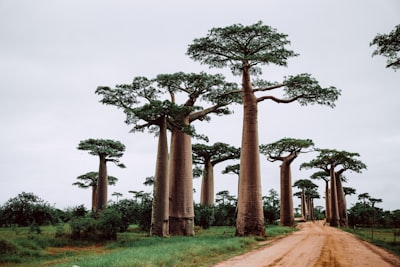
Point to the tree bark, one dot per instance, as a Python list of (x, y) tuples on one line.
[(250, 216), (334, 203), (303, 204), (207, 185), (102, 184), (343, 222), (181, 210), (94, 193), (286, 208), (327, 202), (160, 211)]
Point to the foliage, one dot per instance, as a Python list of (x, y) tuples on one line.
[(276, 150), (112, 150), (203, 215), (103, 225), (27, 209), (271, 206), (388, 45)]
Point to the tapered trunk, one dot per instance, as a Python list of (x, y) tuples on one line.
[(181, 209), (250, 216), (343, 222), (102, 184), (286, 209), (327, 202), (160, 211), (94, 197), (303, 204), (207, 185), (334, 203)]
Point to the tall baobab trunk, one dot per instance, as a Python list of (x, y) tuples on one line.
[(303, 204), (102, 184), (160, 211), (250, 215), (181, 209), (343, 222), (286, 207), (207, 185), (334, 203), (94, 197), (327, 202)]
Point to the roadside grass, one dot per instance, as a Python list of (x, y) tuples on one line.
[(384, 238), (21, 247)]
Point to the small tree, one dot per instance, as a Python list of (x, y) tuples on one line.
[(334, 163), (388, 45), (286, 150), (209, 156), (108, 151), (307, 188), (90, 179)]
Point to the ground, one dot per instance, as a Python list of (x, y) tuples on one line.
[(316, 245)]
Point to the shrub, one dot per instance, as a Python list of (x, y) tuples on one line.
[(204, 215)]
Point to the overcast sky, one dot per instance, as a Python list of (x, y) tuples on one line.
[(54, 54)]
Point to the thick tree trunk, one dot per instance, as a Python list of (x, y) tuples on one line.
[(286, 208), (303, 204), (160, 211), (94, 197), (327, 202), (334, 203), (102, 184), (250, 215), (181, 210), (207, 185), (343, 222)]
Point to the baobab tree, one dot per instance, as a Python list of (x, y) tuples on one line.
[(321, 175), (388, 45), (177, 174), (90, 179), (244, 49), (335, 163), (307, 188), (156, 116), (208, 157), (286, 150), (108, 151)]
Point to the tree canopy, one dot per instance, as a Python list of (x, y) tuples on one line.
[(388, 45)]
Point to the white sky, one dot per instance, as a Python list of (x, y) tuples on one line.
[(54, 54)]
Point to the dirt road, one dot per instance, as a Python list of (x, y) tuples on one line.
[(316, 245)]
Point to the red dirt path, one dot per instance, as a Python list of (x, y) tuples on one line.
[(316, 245)]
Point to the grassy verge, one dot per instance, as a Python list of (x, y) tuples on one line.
[(381, 237), (19, 247)]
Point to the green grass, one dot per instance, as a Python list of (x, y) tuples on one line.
[(133, 248), (381, 237)]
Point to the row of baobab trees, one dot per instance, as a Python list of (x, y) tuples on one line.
[(205, 157), (156, 104)]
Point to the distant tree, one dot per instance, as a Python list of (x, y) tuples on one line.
[(108, 151), (335, 163), (90, 179), (286, 150), (117, 195), (244, 49), (322, 175), (306, 194), (271, 206), (208, 157), (388, 45)]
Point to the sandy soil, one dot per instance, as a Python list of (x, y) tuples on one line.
[(316, 245)]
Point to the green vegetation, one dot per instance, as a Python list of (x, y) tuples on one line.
[(384, 238), (22, 247)]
